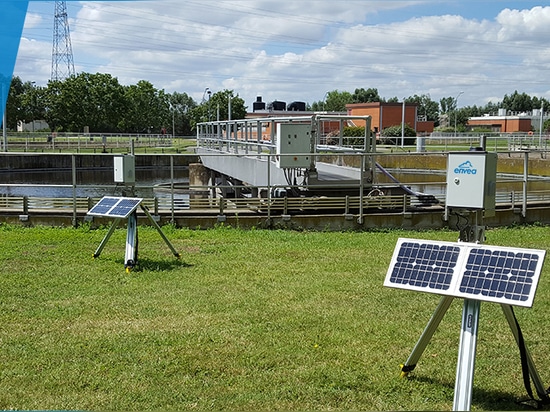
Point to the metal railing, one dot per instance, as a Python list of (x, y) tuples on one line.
[(177, 199), (99, 142)]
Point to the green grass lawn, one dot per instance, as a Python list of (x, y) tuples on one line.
[(246, 320)]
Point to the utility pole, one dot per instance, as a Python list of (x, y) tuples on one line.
[(456, 107), (62, 51)]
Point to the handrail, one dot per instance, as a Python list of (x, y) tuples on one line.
[(287, 205), (512, 199)]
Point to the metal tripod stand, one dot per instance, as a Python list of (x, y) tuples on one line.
[(468, 337), (131, 255)]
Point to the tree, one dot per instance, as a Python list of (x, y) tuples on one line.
[(14, 106), (33, 103), (447, 105), (217, 108), (366, 96), (148, 109), (87, 100), (181, 105), (517, 102), (426, 106), (489, 108), (219, 105), (334, 101)]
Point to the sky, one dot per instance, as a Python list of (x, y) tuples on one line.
[(290, 50)]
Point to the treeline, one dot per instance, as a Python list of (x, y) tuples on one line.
[(101, 104)]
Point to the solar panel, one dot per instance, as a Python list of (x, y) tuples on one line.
[(467, 270), (500, 274), (118, 207), (425, 265)]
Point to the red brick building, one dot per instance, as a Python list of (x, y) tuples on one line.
[(385, 115), (502, 124)]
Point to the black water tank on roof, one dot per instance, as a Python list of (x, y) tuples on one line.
[(276, 105), (297, 107), (258, 104)]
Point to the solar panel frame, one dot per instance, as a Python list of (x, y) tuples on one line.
[(116, 207), (467, 270)]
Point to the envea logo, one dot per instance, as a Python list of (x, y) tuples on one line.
[(466, 168)]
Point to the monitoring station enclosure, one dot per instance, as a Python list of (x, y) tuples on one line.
[(124, 207), (125, 169), (469, 270), (471, 180), (293, 145)]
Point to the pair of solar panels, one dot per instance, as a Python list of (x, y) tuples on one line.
[(466, 270), (117, 207)]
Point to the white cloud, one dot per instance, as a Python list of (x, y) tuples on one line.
[(32, 20), (524, 25), (298, 50)]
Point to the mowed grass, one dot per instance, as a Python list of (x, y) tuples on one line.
[(245, 320)]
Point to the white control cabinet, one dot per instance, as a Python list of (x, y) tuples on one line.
[(471, 180), (293, 145), (125, 169)]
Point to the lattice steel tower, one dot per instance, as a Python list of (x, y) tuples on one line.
[(62, 51)]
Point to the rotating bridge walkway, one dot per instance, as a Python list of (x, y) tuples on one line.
[(281, 153)]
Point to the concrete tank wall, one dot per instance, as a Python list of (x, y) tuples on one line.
[(10, 162)]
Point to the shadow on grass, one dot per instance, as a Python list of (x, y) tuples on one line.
[(483, 399), (151, 265)]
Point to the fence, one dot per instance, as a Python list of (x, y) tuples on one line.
[(173, 197), (91, 142)]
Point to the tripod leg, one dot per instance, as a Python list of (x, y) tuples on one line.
[(106, 238), (130, 260), (539, 386), (430, 329), (466, 356), (159, 230)]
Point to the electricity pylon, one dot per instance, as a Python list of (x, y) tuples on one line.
[(62, 51)]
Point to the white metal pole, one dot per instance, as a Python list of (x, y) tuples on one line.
[(403, 124), (466, 356), (541, 124), (456, 108), (173, 121)]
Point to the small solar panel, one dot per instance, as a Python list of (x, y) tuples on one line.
[(425, 265), (467, 270), (500, 274), (118, 207)]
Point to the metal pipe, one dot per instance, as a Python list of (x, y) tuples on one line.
[(525, 181), (73, 159)]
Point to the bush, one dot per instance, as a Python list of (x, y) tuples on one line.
[(392, 134), (352, 136)]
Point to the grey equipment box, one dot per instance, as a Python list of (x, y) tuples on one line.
[(125, 169), (293, 145), (471, 180)]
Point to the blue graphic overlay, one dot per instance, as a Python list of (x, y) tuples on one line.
[(12, 20)]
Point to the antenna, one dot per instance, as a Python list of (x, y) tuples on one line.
[(62, 51)]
